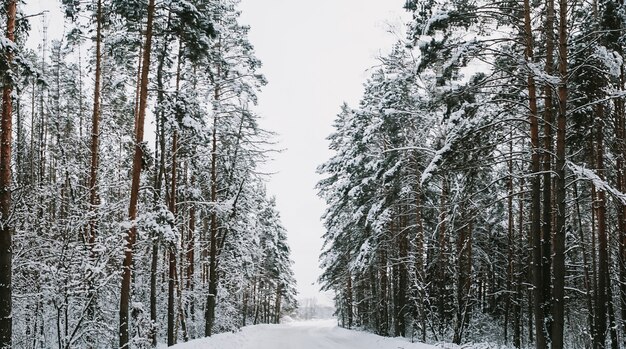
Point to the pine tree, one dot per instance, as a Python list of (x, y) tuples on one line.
[(137, 162), (6, 233)]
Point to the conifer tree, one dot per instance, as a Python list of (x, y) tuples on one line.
[(6, 181)]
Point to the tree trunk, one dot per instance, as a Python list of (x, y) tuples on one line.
[(510, 239), (211, 297), (277, 304), (621, 214), (374, 296), (93, 174), (546, 222), (621, 186), (153, 293), (517, 308), (190, 255), (441, 258), (95, 134), (158, 182), (171, 283), (383, 329), (538, 282), (463, 283), (136, 176), (171, 313), (558, 271), (419, 262), (611, 310), (603, 264), (587, 282), (41, 143), (6, 230), (402, 286), (349, 299)]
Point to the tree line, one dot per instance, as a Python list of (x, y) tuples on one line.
[(477, 192), (133, 207)]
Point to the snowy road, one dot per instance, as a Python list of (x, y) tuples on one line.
[(300, 335)]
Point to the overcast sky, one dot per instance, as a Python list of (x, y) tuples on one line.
[(315, 55)]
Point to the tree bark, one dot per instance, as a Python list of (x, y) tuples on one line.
[(419, 262), (510, 249), (464, 247), (546, 222), (95, 134), (6, 228), (442, 256), (93, 173), (621, 186), (383, 304), (171, 313), (211, 297), (277, 304), (603, 264), (611, 310), (190, 253), (517, 308), (158, 182), (349, 300), (558, 259), (136, 176), (621, 211), (401, 293), (587, 282), (538, 282)]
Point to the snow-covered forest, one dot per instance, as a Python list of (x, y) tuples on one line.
[(475, 194), (477, 191), (133, 207)]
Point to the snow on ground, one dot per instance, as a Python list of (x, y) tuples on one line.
[(315, 334)]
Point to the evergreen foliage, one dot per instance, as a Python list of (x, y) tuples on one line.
[(76, 102), (477, 191)]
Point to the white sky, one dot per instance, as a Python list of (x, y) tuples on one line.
[(315, 55)]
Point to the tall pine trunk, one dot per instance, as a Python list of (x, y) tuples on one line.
[(277, 304), (599, 337), (209, 315), (171, 281), (349, 300), (6, 228), (586, 278), (402, 286), (171, 314), (517, 308), (95, 133), (93, 170), (558, 261), (547, 220), (419, 263), (190, 254), (621, 186), (136, 176), (158, 182), (621, 210), (464, 253), (510, 251), (383, 300), (535, 208)]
